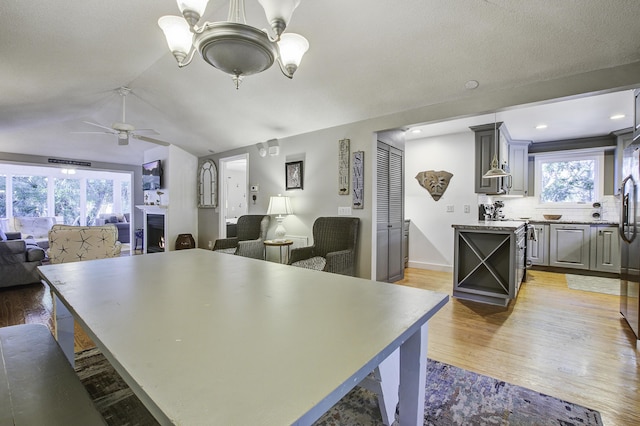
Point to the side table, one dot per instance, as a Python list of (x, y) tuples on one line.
[(278, 243)]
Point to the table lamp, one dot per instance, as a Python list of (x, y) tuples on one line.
[(280, 206)]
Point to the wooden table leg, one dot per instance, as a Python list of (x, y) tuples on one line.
[(413, 375)]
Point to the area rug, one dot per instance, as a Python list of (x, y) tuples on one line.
[(594, 284), (453, 397)]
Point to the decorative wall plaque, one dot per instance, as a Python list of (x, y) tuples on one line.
[(436, 182), (358, 180), (343, 166)]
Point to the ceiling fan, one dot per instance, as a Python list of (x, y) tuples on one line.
[(124, 130)]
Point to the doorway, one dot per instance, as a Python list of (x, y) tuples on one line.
[(232, 193)]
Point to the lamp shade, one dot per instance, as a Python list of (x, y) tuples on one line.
[(280, 205), (176, 31), (292, 48), (197, 6), (279, 10)]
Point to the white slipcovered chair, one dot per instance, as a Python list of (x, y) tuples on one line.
[(76, 243)]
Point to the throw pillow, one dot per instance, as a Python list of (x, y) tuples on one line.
[(112, 219)]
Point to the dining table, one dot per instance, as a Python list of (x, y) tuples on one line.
[(210, 338)]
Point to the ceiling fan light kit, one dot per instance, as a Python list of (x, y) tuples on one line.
[(232, 46)]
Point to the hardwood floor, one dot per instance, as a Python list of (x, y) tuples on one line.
[(570, 344)]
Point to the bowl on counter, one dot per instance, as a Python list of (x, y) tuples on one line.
[(552, 216)]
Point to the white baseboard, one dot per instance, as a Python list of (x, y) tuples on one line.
[(430, 266)]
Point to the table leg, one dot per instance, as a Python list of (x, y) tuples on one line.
[(413, 376), (63, 328)]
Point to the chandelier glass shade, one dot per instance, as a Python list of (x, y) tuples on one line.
[(232, 46)]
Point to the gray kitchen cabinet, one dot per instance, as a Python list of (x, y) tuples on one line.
[(538, 247), (569, 245), (488, 263), (605, 248), (519, 167), (487, 145)]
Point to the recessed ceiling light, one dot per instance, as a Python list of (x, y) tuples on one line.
[(617, 116), (541, 126), (471, 84)]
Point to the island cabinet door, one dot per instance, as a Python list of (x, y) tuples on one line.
[(569, 245)]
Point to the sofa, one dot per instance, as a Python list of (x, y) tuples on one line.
[(121, 221), (19, 259), (34, 228)]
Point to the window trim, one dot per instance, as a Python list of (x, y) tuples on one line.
[(596, 154)]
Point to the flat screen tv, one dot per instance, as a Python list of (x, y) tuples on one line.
[(151, 175)]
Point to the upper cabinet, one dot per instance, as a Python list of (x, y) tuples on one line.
[(519, 167), (487, 146), (494, 139)]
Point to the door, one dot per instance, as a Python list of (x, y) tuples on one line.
[(390, 213), (232, 193)]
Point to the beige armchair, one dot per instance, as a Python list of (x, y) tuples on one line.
[(76, 243)]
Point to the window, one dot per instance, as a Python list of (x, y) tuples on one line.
[(572, 177), (3, 196), (30, 196)]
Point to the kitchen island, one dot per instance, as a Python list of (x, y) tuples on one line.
[(489, 261)]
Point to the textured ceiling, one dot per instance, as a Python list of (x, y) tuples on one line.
[(61, 62)]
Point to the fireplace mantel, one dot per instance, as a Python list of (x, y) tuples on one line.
[(153, 208)]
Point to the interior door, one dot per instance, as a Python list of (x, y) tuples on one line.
[(390, 213)]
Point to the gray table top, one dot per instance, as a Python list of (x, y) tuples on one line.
[(210, 338)]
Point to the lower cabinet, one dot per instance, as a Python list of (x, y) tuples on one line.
[(577, 246), (538, 245), (569, 245), (605, 248)]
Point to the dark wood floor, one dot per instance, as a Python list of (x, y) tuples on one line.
[(570, 344)]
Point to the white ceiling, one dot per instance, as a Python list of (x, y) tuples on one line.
[(61, 63)]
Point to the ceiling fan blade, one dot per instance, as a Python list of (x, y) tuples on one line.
[(148, 131), (100, 125), (94, 133), (152, 140)]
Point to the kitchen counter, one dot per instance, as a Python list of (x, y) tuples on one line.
[(492, 225), (575, 222)]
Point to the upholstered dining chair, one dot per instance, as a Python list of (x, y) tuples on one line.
[(248, 242), (76, 243), (335, 240)]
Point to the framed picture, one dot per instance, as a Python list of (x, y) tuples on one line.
[(343, 166), (293, 175)]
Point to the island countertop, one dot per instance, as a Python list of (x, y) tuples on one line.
[(492, 225)]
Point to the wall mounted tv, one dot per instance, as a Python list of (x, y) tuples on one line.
[(152, 175)]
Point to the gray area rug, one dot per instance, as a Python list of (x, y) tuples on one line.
[(453, 397), (593, 284)]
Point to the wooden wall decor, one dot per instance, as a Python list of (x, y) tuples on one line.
[(436, 182), (343, 166), (358, 180)]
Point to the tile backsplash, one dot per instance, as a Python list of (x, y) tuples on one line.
[(528, 207)]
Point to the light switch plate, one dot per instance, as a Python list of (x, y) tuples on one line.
[(344, 211), (254, 188), (450, 208)]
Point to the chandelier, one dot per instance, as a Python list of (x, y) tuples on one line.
[(232, 46)]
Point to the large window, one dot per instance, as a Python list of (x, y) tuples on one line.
[(30, 196), (572, 177), (74, 197)]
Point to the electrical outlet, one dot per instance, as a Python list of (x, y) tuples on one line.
[(344, 211), (467, 208), (450, 208)]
